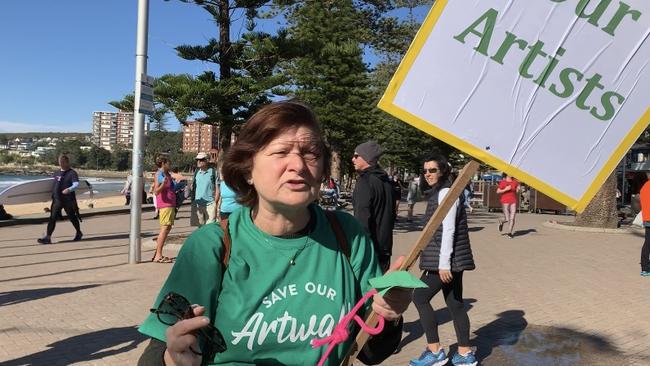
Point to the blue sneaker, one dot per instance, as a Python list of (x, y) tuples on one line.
[(468, 360), (428, 358), (645, 273)]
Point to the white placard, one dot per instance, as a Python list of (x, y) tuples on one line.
[(553, 92)]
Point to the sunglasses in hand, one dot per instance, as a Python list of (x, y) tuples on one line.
[(175, 307)]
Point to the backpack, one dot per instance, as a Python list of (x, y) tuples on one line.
[(331, 217)]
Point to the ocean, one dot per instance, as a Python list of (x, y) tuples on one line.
[(100, 185)]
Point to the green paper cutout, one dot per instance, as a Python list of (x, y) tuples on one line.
[(395, 279)]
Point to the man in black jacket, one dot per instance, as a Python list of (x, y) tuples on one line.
[(373, 200), (66, 182)]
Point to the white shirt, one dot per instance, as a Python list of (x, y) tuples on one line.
[(448, 230)]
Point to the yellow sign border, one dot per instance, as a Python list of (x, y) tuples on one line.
[(387, 104)]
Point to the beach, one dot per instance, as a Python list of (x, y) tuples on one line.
[(42, 169), (104, 201), (106, 193)]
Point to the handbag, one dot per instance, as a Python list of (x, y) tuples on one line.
[(638, 220)]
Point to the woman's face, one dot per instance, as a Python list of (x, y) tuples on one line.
[(288, 171), (166, 166), (431, 172)]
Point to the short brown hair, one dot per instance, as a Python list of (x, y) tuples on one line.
[(64, 157), (264, 126)]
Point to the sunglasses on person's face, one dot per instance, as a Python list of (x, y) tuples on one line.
[(355, 156), (430, 170), (175, 307)]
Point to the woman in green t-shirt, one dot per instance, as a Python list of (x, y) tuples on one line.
[(288, 279)]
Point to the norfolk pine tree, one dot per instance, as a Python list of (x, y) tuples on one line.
[(246, 73)]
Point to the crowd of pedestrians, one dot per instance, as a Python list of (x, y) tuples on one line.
[(263, 194), (264, 191), (274, 244)]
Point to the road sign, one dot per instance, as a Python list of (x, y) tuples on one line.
[(146, 95), (553, 92)]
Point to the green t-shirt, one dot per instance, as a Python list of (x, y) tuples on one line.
[(269, 310)]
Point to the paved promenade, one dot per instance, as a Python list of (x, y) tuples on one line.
[(546, 297)]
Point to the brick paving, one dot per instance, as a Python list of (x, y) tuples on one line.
[(572, 294)]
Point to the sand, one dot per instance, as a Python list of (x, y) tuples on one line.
[(36, 208)]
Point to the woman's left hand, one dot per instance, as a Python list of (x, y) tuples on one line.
[(396, 300), (445, 275)]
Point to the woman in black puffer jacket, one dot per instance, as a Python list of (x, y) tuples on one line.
[(443, 261)]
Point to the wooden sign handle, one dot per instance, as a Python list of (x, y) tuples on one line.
[(455, 191)]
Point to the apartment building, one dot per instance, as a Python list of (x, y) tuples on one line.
[(111, 128), (200, 137)]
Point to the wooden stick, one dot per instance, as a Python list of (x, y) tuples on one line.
[(427, 233)]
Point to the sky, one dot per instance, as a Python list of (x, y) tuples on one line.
[(62, 60)]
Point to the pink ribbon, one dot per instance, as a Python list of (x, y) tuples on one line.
[(341, 333)]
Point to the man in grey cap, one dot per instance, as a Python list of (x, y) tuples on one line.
[(373, 200)]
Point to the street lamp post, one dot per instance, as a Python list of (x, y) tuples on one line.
[(138, 121)]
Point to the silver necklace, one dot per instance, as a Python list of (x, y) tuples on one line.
[(292, 260), (297, 253)]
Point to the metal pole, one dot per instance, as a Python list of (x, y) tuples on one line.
[(138, 131)]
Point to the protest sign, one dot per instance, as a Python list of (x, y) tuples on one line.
[(553, 92)]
